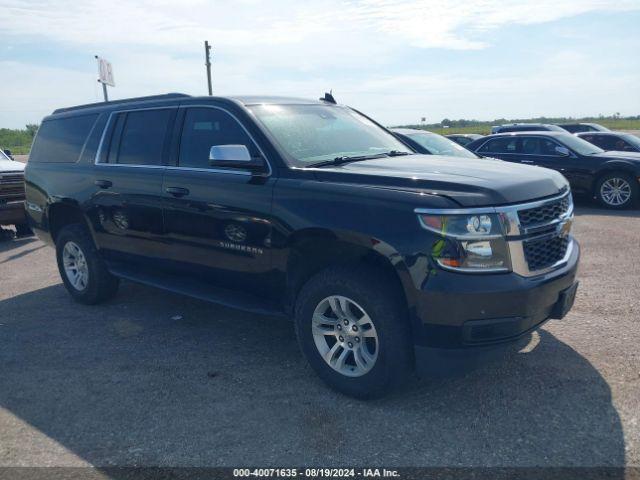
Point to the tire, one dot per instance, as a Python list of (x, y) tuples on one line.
[(365, 291), (609, 184), (23, 230), (99, 285)]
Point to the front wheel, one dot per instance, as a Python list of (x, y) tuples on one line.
[(616, 190), (353, 330)]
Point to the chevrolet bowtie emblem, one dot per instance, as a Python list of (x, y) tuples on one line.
[(565, 228)]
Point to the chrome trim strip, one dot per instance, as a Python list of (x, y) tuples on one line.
[(173, 167), (475, 271)]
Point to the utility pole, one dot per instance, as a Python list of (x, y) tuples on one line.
[(207, 52), (104, 91)]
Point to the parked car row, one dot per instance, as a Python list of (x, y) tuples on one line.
[(597, 162), (611, 176), (547, 127)]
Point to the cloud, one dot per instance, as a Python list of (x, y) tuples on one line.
[(423, 23), (366, 50)]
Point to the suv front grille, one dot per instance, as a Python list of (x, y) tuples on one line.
[(546, 252), (11, 187), (545, 213)]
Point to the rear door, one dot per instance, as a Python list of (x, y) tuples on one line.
[(127, 202), (217, 220)]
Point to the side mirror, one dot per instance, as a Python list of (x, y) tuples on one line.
[(563, 151), (7, 152), (233, 156)]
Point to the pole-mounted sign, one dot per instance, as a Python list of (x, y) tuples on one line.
[(105, 75)]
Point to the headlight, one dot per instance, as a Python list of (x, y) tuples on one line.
[(468, 242)]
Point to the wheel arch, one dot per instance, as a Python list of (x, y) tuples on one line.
[(63, 213), (626, 168), (313, 250)]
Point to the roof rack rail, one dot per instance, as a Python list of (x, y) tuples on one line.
[(164, 96)]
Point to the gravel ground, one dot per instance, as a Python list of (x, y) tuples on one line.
[(153, 378)]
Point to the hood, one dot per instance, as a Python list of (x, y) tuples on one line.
[(469, 182), (7, 166), (633, 156)]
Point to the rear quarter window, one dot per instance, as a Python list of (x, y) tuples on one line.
[(60, 140), (500, 145)]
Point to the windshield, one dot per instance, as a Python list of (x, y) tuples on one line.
[(312, 133), (579, 145), (438, 145), (3, 156), (632, 139)]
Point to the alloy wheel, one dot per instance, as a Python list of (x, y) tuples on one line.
[(75, 266), (345, 336), (615, 191)]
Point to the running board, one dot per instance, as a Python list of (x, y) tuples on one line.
[(197, 289)]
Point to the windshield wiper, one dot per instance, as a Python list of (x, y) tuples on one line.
[(357, 158), (398, 153), (346, 159)]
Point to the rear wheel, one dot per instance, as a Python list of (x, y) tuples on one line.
[(353, 330), (617, 190), (82, 269)]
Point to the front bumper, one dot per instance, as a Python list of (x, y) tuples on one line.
[(455, 310), (12, 213)]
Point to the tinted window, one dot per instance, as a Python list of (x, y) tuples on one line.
[(577, 144), (603, 141), (142, 138), (538, 146), (60, 140), (500, 145), (206, 127), (572, 128), (463, 140), (438, 145), (612, 142)]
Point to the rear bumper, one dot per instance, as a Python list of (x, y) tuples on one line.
[(12, 213), (461, 311)]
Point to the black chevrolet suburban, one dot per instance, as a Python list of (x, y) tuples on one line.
[(307, 209)]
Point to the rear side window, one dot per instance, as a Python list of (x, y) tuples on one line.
[(500, 145), (139, 137), (538, 146), (60, 140), (204, 128)]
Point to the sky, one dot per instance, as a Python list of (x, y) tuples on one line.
[(396, 60)]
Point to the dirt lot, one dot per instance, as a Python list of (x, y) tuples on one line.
[(153, 378)]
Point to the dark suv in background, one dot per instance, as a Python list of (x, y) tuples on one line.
[(611, 177), (526, 127), (583, 127), (307, 209)]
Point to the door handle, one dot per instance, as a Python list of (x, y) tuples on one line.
[(177, 191), (103, 183), (526, 161)]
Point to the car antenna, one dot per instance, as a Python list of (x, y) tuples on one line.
[(328, 97)]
